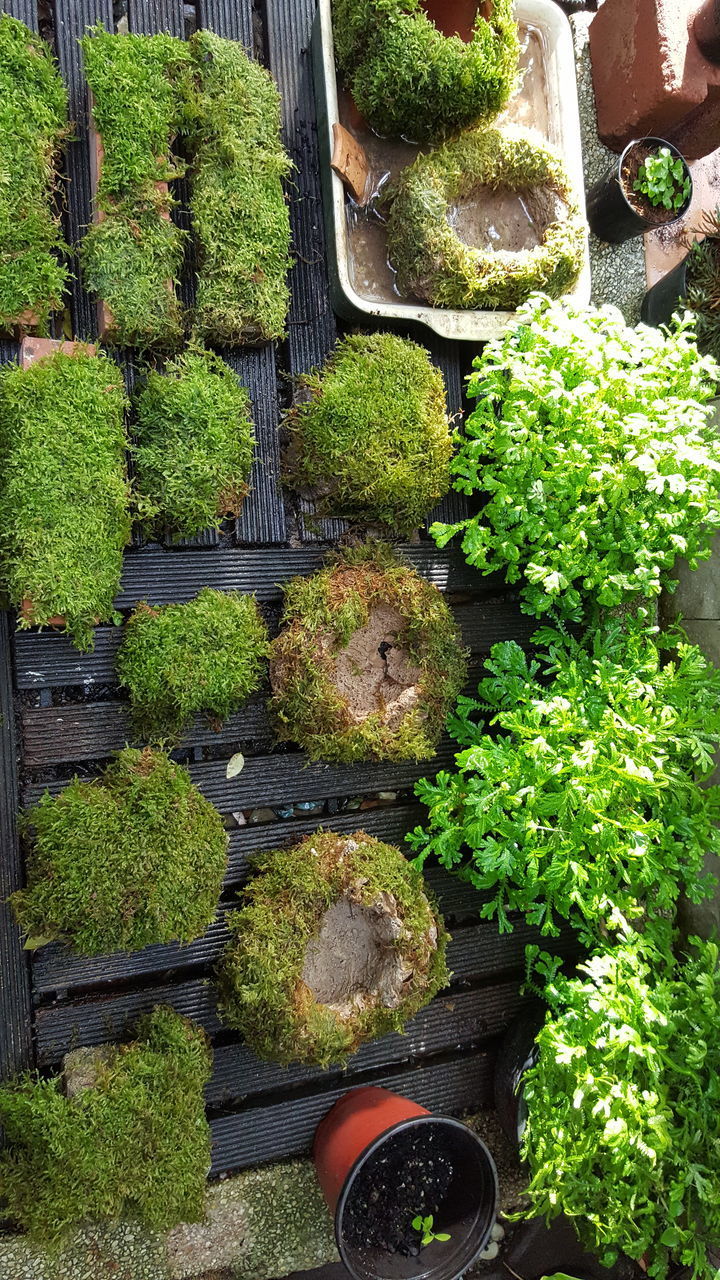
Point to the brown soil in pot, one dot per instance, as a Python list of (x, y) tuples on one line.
[(373, 673), (637, 201)]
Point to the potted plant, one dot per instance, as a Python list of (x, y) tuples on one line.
[(651, 186), (339, 942), (369, 433), (368, 661), (413, 1194), (693, 285)]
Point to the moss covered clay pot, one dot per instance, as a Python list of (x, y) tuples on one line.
[(368, 662), (338, 942)]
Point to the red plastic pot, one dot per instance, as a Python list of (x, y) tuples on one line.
[(353, 1124)]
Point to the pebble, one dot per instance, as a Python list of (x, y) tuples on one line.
[(285, 811), (498, 1232), (491, 1251), (240, 818), (309, 806), (261, 815)]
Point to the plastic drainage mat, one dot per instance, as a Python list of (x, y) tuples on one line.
[(69, 716)]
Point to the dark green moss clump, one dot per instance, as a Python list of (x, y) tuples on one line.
[(429, 256), (33, 125), (368, 663), (239, 211), (206, 656), (408, 79), (63, 490), (372, 441), (123, 861), (195, 444), (132, 256), (339, 943), (134, 1145)]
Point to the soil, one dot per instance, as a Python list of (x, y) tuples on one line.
[(354, 962), (640, 203), (410, 1174), (373, 673)]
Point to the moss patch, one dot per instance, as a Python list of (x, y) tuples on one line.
[(136, 1145), (268, 982), (408, 79), (206, 656), (195, 444), (132, 257), (239, 211), (33, 125), (432, 261), (133, 858), (63, 490), (372, 441), (368, 662)]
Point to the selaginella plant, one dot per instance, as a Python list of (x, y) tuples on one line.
[(63, 490), (132, 254), (195, 444), (134, 1144), (595, 447), (33, 126), (409, 79), (584, 803), (624, 1108), (203, 657), (238, 206), (123, 861), (368, 662), (369, 433), (703, 283), (339, 942)]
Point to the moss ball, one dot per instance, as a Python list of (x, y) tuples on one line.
[(339, 943), (206, 656), (409, 79), (434, 263), (370, 438), (135, 1144), (368, 662), (123, 861)]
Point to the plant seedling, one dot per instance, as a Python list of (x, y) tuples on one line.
[(664, 180), (425, 1226)]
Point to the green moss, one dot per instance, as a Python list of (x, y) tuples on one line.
[(263, 993), (321, 616), (372, 440), (434, 263), (239, 211), (63, 490), (132, 258), (183, 659), (33, 125), (195, 445), (133, 858), (408, 79), (135, 1145)]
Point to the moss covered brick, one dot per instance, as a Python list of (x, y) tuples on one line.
[(135, 1144), (206, 656), (123, 861), (195, 444), (368, 662), (63, 490), (238, 207), (370, 438), (132, 255), (339, 942), (33, 124)]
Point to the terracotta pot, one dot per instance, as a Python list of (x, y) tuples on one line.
[(360, 1117), (706, 29), (456, 17)]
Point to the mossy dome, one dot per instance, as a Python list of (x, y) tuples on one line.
[(123, 861), (425, 223), (339, 942), (368, 662), (369, 437)]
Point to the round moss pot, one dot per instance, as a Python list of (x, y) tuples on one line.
[(338, 943), (413, 1194), (368, 663)]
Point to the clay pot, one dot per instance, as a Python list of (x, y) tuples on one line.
[(706, 29), (368, 1121), (609, 212), (456, 17), (518, 1053), (666, 296)]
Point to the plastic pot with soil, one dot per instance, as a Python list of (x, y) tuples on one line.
[(518, 1053), (617, 210), (387, 1168), (692, 285)]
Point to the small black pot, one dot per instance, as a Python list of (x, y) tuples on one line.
[(518, 1052), (611, 216), (662, 300)]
